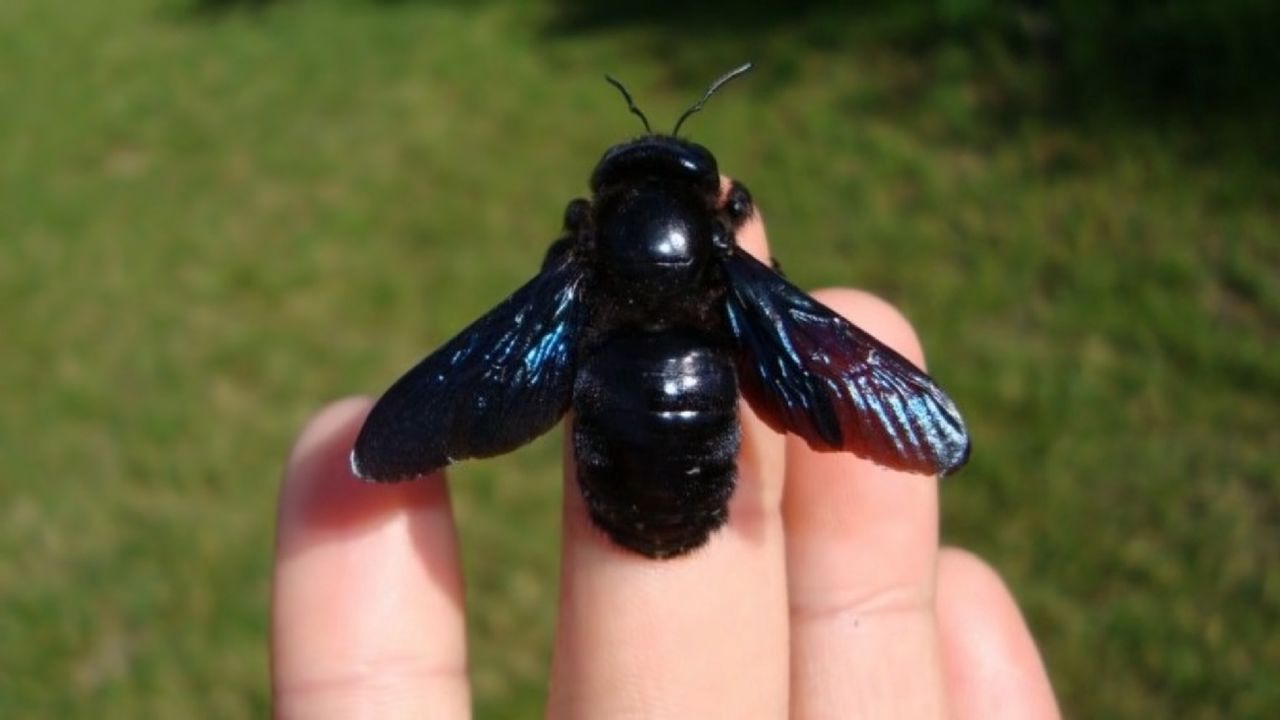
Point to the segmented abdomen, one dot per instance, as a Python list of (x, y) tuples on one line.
[(656, 437)]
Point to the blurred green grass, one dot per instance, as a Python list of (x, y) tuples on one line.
[(214, 221)]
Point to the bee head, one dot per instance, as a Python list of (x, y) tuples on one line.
[(657, 157), (662, 157)]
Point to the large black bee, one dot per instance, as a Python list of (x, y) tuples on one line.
[(648, 320)]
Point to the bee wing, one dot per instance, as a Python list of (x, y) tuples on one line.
[(501, 382), (807, 370)]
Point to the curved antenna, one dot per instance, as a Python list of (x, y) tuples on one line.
[(720, 81), (630, 105)]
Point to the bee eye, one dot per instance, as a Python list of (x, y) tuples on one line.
[(722, 239)]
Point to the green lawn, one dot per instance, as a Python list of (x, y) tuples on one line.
[(213, 222)]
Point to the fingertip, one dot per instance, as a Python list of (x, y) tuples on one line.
[(367, 591), (837, 503), (320, 490), (333, 422), (970, 580), (992, 666), (317, 479), (863, 632)]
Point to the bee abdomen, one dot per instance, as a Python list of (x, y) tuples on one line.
[(656, 437)]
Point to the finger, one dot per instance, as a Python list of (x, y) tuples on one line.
[(701, 635), (992, 667), (862, 544), (367, 603)]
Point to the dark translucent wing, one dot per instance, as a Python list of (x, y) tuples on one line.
[(807, 370), (500, 383)]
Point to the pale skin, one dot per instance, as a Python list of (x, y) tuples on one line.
[(826, 595)]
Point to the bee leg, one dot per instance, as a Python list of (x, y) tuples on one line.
[(557, 250), (575, 215), (575, 219), (738, 205)]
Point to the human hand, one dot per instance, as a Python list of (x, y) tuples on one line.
[(825, 596)]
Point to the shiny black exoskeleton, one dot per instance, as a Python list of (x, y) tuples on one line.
[(650, 322), (656, 428), (655, 435)]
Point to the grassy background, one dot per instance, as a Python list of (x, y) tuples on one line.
[(216, 216)]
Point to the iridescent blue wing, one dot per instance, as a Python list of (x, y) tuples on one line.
[(501, 382), (807, 370)]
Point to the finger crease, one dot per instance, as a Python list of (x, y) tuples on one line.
[(905, 599), (377, 674)]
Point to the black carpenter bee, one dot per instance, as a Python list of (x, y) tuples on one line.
[(648, 320)]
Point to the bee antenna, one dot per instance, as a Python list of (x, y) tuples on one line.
[(720, 81), (630, 104)]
